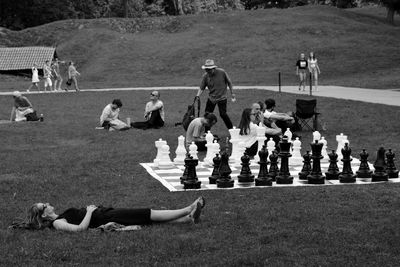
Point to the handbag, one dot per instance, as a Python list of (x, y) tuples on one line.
[(69, 82)]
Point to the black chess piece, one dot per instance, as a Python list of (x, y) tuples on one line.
[(390, 166), (364, 170), (191, 181), (215, 173), (263, 179), (245, 175), (273, 168), (333, 169), (224, 180), (306, 170), (347, 175), (283, 176), (185, 172), (316, 176), (380, 174)]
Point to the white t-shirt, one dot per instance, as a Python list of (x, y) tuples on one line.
[(109, 114), (157, 105), (195, 129), (268, 114), (251, 137)]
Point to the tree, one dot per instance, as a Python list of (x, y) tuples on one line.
[(392, 6)]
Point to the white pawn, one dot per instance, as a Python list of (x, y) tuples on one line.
[(241, 149), (340, 139), (270, 145), (180, 151), (324, 151), (289, 134), (159, 143), (193, 150), (165, 161), (316, 136), (296, 158)]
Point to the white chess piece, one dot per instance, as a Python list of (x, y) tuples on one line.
[(270, 145), (296, 158), (340, 139), (235, 139), (193, 150), (316, 136), (241, 149), (180, 151), (324, 151), (289, 134), (165, 161), (159, 143), (260, 139), (211, 150)]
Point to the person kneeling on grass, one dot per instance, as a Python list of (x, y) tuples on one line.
[(196, 131), (153, 113), (42, 216), (22, 109), (109, 119)]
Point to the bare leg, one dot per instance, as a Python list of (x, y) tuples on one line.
[(75, 84), (316, 80), (179, 215)]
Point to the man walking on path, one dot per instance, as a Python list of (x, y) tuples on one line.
[(217, 81)]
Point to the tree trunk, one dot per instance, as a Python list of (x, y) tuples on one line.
[(126, 8), (390, 15)]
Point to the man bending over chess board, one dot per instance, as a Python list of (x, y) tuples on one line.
[(196, 130)]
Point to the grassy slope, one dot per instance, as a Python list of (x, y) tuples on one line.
[(353, 48)]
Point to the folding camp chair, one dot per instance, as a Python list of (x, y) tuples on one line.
[(306, 114)]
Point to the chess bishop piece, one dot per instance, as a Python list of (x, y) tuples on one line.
[(284, 176), (193, 150), (333, 169), (306, 170), (347, 175), (364, 171), (273, 169), (263, 179), (380, 174), (390, 166), (191, 181), (180, 151), (215, 173), (245, 175), (296, 159), (224, 180), (316, 176)]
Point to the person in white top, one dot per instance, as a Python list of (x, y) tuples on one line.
[(248, 131), (35, 78), (47, 76), (109, 118), (314, 69), (153, 113), (282, 120)]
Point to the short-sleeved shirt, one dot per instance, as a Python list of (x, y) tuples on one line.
[(302, 64), (268, 114), (195, 129), (109, 114), (157, 105), (217, 84)]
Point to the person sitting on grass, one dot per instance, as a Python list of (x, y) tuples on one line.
[(109, 119), (22, 109), (153, 113), (42, 216), (282, 120), (271, 130), (196, 130)]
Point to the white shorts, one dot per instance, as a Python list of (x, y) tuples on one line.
[(47, 82)]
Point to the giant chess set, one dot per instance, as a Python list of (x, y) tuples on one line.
[(275, 165)]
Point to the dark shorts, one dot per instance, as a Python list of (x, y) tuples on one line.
[(120, 215)]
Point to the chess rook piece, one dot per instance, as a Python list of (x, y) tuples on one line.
[(191, 181), (273, 169), (283, 176), (263, 179), (306, 170), (364, 171), (380, 174), (180, 151), (390, 166), (215, 173), (347, 175), (316, 176), (224, 180), (333, 169), (245, 175)]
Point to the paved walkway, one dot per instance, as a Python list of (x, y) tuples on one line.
[(380, 96)]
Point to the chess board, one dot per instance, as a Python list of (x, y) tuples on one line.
[(170, 178)]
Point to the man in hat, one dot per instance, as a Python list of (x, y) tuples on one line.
[(217, 81), (22, 109)]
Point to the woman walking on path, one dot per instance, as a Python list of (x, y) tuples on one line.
[(72, 76), (35, 78), (314, 69)]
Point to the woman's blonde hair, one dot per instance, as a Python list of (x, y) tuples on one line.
[(34, 220)]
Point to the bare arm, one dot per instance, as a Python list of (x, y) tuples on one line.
[(63, 225)]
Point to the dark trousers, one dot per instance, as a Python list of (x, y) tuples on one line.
[(210, 106), (253, 150), (155, 121)]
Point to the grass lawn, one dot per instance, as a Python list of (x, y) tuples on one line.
[(66, 162)]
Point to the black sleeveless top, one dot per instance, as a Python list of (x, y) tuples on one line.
[(75, 216)]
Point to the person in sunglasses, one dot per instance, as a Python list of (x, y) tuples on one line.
[(153, 113)]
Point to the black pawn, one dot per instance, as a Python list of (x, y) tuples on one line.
[(245, 175), (333, 169), (185, 172), (347, 175), (390, 167), (283, 176), (316, 176), (263, 179), (305, 171), (191, 181), (273, 169), (364, 170), (215, 173), (224, 180), (380, 174)]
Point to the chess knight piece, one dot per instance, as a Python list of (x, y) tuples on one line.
[(263, 179), (364, 171), (224, 180), (306, 170), (333, 169), (347, 175), (245, 175), (191, 181), (215, 173), (283, 176), (390, 167), (316, 176), (380, 174)]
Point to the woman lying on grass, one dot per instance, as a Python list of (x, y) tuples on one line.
[(42, 215)]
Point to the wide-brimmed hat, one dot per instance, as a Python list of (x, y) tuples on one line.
[(209, 64), (17, 93)]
